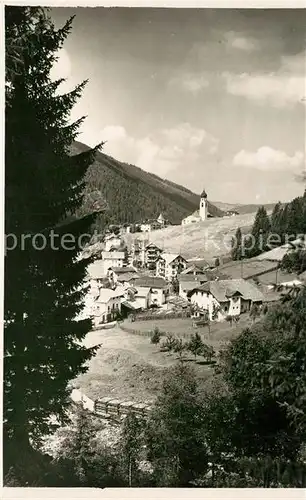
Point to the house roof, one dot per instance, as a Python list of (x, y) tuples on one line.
[(191, 269), (187, 286), (112, 255), (142, 291), (170, 257), (131, 304), (185, 278), (222, 288), (200, 263), (106, 294), (95, 270), (151, 282), (122, 270), (127, 277), (276, 254), (152, 245)]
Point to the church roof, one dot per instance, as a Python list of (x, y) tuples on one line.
[(203, 194)]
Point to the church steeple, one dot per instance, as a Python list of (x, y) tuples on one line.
[(203, 205)]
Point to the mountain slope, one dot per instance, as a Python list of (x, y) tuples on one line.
[(242, 209), (130, 194)]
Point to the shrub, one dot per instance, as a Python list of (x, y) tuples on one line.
[(156, 335), (169, 343)]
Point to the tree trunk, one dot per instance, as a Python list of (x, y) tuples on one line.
[(130, 473)]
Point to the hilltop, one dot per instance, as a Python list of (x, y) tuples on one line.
[(130, 194), (205, 239)]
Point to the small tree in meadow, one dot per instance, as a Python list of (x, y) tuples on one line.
[(179, 347), (208, 352), (195, 346), (156, 336), (169, 343)]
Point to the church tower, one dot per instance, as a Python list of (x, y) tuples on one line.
[(203, 206)]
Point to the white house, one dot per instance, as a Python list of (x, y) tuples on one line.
[(143, 296), (187, 283), (223, 298), (201, 214), (112, 259), (107, 305), (146, 227), (158, 287), (169, 265)]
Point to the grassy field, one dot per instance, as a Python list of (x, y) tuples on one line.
[(205, 239), (129, 367)]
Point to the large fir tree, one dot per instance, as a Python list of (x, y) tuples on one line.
[(237, 251), (44, 185), (260, 233)]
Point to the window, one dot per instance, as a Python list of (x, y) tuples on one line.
[(225, 308)]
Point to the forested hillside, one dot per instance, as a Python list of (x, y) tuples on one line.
[(130, 194)]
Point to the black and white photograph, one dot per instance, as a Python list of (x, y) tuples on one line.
[(155, 248)]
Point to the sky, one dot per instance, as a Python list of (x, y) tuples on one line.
[(205, 98)]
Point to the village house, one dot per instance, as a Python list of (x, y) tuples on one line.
[(151, 254), (137, 252), (149, 225), (96, 276), (222, 298), (143, 296), (170, 265), (158, 287), (107, 305), (122, 275), (112, 259), (188, 282), (201, 214), (231, 213), (278, 253)]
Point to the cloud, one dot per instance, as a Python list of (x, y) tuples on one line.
[(236, 41), (282, 88), (161, 152), (190, 82), (268, 159)]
